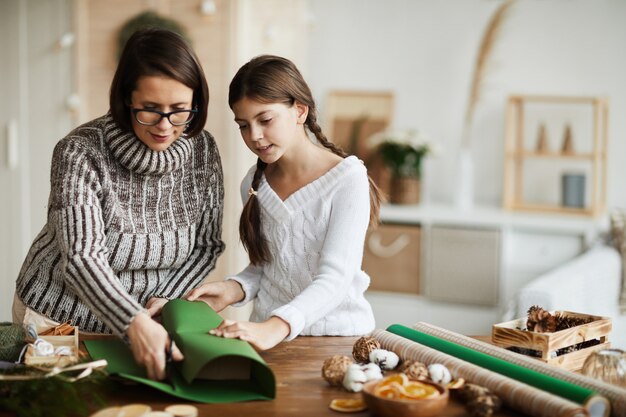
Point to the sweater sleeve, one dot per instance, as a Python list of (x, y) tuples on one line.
[(250, 281), (208, 245), (76, 214), (340, 257)]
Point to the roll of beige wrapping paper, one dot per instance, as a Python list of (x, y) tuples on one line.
[(516, 395), (615, 394)]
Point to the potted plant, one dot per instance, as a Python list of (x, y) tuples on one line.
[(402, 151)]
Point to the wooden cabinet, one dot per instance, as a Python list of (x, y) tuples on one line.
[(462, 264), (474, 258), (392, 258)]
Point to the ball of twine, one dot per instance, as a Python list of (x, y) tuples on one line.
[(415, 370), (363, 347), (11, 341), (334, 369)]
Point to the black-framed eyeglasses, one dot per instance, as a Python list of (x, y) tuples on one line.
[(153, 117)]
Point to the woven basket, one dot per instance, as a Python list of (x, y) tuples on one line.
[(404, 190)]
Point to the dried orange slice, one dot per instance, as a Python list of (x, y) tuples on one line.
[(417, 391), (456, 384), (390, 390), (347, 405), (400, 379)]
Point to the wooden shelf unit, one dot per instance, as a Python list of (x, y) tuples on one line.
[(517, 154)]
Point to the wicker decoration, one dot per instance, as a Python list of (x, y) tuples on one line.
[(415, 370), (363, 347), (334, 369)]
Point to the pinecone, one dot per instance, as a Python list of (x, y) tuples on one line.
[(480, 401), (334, 369), (471, 391), (484, 406), (540, 320), (563, 321), (362, 348), (415, 370)]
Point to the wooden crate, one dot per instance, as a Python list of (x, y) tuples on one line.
[(508, 334), (71, 341)]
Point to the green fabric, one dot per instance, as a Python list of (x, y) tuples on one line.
[(536, 379), (189, 323)]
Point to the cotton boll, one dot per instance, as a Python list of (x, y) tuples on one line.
[(439, 373), (372, 371), (354, 378), (385, 359)]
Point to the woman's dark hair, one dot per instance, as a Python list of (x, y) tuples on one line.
[(159, 52), (273, 79)]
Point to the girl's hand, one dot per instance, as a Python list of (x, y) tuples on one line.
[(149, 342), (218, 295), (155, 305), (262, 336)]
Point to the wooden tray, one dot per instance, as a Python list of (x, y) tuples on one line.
[(71, 341), (508, 334)]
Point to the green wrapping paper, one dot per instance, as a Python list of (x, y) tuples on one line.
[(215, 369), (547, 383)]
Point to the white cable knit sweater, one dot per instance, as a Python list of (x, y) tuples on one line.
[(316, 236)]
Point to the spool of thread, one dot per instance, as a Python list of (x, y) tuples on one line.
[(11, 341)]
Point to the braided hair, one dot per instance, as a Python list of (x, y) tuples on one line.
[(273, 79)]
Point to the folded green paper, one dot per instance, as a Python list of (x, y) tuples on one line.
[(215, 369)]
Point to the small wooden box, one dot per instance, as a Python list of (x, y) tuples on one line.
[(508, 334), (71, 341)]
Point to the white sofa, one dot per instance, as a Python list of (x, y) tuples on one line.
[(589, 284)]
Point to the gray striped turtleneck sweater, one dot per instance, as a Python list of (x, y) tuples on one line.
[(125, 223)]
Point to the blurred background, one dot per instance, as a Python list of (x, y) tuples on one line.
[(485, 202)]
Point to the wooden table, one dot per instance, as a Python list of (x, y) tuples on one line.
[(301, 390)]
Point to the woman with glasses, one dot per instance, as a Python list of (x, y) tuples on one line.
[(135, 208)]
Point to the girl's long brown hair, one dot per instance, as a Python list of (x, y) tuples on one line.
[(273, 79)]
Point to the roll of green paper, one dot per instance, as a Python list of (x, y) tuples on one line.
[(547, 383)]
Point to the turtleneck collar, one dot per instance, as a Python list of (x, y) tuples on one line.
[(137, 157)]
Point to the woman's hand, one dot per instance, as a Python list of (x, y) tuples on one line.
[(262, 336), (218, 295), (155, 305), (149, 342)]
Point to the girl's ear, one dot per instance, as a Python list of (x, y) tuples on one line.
[(302, 111)]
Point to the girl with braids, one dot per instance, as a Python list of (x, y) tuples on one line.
[(307, 208)]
